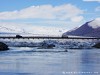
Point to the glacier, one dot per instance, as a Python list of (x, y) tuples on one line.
[(29, 29), (61, 43)]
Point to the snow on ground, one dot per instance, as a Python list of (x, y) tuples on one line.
[(27, 28), (95, 23)]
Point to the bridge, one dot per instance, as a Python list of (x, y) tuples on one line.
[(46, 37), (32, 40)]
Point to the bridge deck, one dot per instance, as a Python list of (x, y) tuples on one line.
[(39, 37)]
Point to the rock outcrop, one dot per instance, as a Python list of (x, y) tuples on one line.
[(3, 46), (97, 45)]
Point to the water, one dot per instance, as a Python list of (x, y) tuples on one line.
[(24, 61)]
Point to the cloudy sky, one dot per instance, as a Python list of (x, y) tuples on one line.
[(66, 14)]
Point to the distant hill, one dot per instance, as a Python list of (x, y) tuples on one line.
[(89, 29), (7, 28), (10, 30)]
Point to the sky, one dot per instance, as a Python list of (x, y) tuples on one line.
[(65, 14)]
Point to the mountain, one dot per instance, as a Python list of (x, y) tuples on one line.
[(89, 29), (10, 29), (6, 30)]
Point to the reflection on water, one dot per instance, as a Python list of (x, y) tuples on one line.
[(22, 61), (90, 61)]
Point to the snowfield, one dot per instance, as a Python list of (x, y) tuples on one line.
[(29, 29), (95, 23)]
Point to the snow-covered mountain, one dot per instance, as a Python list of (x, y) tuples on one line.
[(4, 30), (89, 29), (29, 29), (9, 29)]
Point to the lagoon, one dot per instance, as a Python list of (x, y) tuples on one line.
[(24, 61)]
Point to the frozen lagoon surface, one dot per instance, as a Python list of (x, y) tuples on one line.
[(24, 61)]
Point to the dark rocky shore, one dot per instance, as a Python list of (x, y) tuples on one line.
[(3, 46), (97, 45)]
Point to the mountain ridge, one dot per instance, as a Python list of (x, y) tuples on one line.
[(89, 29)]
